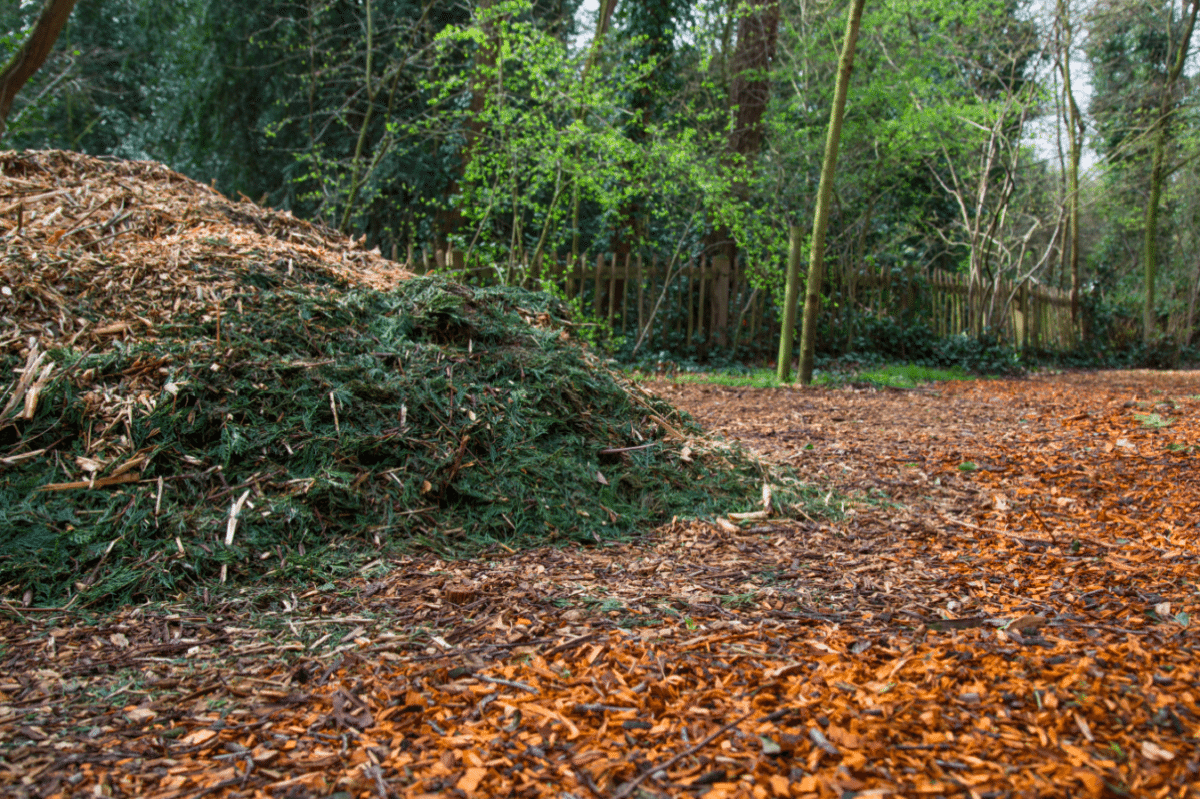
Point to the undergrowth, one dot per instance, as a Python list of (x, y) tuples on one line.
[(885, 376), (317, 429)]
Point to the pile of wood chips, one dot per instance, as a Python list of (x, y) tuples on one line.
[(97, 250)]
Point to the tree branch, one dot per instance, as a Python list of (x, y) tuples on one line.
[(26, 61)]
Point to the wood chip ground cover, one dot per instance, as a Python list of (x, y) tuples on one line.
[(1005, 609)]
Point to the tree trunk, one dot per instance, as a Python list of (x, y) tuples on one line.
[(1158, 173), (816, 259), (1150, 244), (783, 367), (451, 219), (750, 88), (1075, 131), (749, 93), (26, 61), (603, 20), (1193, 296), (356, 163)]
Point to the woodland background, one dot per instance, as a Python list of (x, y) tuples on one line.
[(1048, 144)]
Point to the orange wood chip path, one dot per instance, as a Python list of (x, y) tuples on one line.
[(1008, 607)]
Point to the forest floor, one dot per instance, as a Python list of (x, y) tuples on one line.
[(1005, 603)]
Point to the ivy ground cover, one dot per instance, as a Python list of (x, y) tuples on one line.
[(1002, 603)]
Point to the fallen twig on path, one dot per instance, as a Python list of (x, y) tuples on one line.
[(626, 789)]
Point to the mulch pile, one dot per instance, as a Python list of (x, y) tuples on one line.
[(1006, 609), (102, 250), (208, 390)]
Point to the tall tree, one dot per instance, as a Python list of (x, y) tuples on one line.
[(1168, 102), (749, 94), (750, 86), (816, 261), (970, 68), (1138, 54), (30, 57), (603, 21), (1075, 131)]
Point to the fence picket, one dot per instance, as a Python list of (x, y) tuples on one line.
[(714, 302)]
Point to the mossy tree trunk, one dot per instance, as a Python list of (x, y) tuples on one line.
[(816, 257), (1158, 171), (783, 368)]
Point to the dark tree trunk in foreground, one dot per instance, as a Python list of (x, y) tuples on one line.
[(26, 61)]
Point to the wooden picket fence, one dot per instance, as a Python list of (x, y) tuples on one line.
[(706, 301), (1027, 314), (709, 303)]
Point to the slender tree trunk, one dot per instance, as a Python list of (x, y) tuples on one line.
[(1075, 131), (1150, 244), (451, 219), (356, 163), (816, 259), (750, 85), (29, 59), (1158, 173), (1060, 231), (603, 20), (783, 366)]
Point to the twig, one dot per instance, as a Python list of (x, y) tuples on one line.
[(103, 239), (7, 607), (922, 747), (103, 482), (473, 650), (235, 510), (574, 642), (375, 773), (594, 708), (509, 683), (977, 528), (664, 424), (458, 459), (618, 450), (584, 777), (87, 581), (217, 786), (626, 789), (821, 742), (24, 456)]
